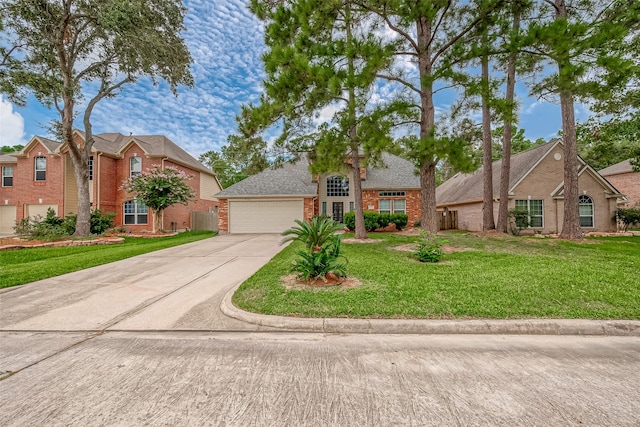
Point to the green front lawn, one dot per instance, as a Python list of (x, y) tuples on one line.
[(511, 277), (28, 265)]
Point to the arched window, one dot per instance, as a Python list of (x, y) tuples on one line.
[(135, 212), (586, 211)]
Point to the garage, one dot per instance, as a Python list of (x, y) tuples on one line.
[(264, 215), (35, 210), (7, 219)]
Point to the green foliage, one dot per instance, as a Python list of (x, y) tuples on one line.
[(400, 220), (318, 264), (383, 220), (322, 248), (349, 220), (603, 143), (53, 227), (518, 220), (627, 217), (317, 233), (11, 148), (429, 247), (160, 188), (371, 220)]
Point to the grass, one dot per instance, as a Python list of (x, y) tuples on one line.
[(511, 277), (22, 266)]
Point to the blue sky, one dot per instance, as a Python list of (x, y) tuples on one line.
[(226, 42)]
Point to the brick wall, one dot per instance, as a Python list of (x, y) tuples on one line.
[(412, 199), (27, 191), (309, 208), (629, 185), (223, 216)]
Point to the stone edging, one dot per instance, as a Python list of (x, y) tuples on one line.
[(62, 243)]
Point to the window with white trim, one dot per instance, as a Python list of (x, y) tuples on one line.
[(536, 211), (337, 186), (391, 193), (135, 166), (392, 206), (40, 168), (135, 212), (585, 206), (7, 176)]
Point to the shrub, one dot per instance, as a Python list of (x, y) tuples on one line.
[(430, 247), (383, 220), (315, 234), (320, 263), (371, 221), (627, 217), (38, 228), (101, 222), (518, 220), (349, 220), (400, 220)]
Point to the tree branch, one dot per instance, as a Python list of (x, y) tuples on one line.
[(399, 80)]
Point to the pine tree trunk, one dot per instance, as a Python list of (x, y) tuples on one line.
[(487, 160), (505, 168), (571, 219), (428, 220), (361, 231)]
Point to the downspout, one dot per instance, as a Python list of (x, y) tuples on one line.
[(162, 219), (96, 173)]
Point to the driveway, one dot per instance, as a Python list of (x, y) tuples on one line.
[(179, 288)]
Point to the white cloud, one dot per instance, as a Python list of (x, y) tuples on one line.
[(11, 125)]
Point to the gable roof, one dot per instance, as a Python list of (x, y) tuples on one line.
[(467, 187), (612, 191), (51, 146), (622, 167), (294, 179)]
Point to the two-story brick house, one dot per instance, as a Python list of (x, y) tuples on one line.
[(41, 176)]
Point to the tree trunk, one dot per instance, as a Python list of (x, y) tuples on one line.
[(571, 219), (157, 221), (361, 231), (487, 160), (428, 220), (505, 170)]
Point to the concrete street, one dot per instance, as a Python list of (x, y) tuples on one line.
[(143, 342)]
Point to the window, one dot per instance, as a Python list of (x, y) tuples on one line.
[(135, 166), (337, 186), (384, 206), (40, 168), (391, 194), (324, 208), (90, 168), (135, 212), (7, 176), (536, 212), (351, 206), (392, 206), (586, 211)]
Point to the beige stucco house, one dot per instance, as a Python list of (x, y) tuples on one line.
[(536, 183)]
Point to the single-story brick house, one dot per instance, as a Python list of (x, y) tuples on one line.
[(537, 184), (270, 201), (622, 176), (41, 176)]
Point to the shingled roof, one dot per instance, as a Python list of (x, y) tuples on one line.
[(467, 187), (622, 167), (294, 179)]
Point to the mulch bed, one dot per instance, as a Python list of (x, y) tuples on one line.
[(292, 282)]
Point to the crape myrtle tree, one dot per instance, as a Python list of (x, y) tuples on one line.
[(160, 188), (77, 52), (594, 48), (430, 35), (324, 56)]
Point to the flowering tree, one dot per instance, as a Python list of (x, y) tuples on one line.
[(160, 188)]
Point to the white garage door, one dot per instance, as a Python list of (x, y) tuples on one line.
[(263, 216), (35, 210), (7, 219)]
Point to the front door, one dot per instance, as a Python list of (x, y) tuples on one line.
[(338, 211)]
